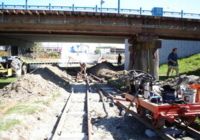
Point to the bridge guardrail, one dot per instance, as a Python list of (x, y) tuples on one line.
[(139, 11)]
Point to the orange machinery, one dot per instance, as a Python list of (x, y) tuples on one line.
[(160, 113)]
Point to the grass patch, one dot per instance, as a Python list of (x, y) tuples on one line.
[(47, 101), (189, 65), (8, 124), (43, 102), (22, 109), (197, 120), (55, 95), (6, 81)]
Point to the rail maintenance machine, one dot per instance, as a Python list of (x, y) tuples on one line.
[(163, 105)]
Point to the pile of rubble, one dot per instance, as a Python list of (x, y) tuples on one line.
[(187, 79), (105, 69)]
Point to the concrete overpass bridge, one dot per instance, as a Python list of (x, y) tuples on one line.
[(140, 33), (100, 24)]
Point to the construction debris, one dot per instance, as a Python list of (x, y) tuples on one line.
[(187, 79), (105, 69)]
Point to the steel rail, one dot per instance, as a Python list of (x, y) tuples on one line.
[(142, 120), (57, 131), (89, 125), (188, 129), (61, 119)]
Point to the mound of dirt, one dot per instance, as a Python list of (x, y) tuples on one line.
[(104, 69), (29, 85), (43, 82), (34, 99)]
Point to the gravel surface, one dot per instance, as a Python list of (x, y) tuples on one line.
[(112, 126)]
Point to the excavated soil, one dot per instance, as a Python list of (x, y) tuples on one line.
[(105, 69), (32, 102)]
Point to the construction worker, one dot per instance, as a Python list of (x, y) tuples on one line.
[(119, 59), (173, 62), (82, 74), (83, 68)]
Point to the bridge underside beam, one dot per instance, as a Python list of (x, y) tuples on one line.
[(87, 23)]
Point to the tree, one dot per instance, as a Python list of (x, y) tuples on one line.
[(37, 49), (97, 51)]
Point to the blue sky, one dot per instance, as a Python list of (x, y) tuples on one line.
[(192, 6)]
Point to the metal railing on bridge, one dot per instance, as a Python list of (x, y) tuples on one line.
[(139, 11)]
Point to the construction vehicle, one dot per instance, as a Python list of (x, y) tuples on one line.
[(5, 69), (10, 63), (12, 66)]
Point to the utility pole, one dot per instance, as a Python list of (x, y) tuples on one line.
[(101, 3), (26, 4), (118, 6)]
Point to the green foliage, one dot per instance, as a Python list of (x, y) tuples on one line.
[(37, 47), (54, 55), (97, 51), (197, 120), (8, 80), (8, 124)]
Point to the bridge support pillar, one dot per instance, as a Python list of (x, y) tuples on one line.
[(142, 54)]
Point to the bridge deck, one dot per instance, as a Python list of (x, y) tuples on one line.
[(88, 23)]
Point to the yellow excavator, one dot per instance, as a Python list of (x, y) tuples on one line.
[(5, 69), (12, 66)]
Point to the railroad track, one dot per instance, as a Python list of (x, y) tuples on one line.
[(76, 108), (191, 134)]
